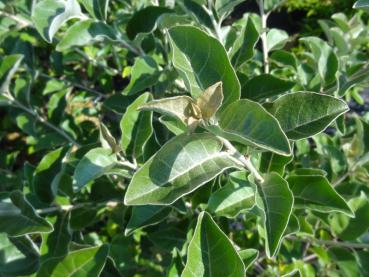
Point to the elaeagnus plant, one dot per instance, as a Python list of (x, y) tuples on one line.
[(181, 138)]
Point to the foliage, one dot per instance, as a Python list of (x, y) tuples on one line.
[(166, 138)]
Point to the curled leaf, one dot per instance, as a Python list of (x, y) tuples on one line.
[(210, 100)]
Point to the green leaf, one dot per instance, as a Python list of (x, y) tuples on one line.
[(247, 122), (197, 11), (315, 192), (225, 7), (304, 114), (345, 260), (47, 171), (136, 127), (92, 166), (84, 262), (348, 228), (83, 217), (271, 162), (107, 140), (144, 74), (211, 253), (175, 126), (143, 216), (362, 4), (145, 20), (283, 58), (276, 39), (176, 266), (276, 201), (84, 33), (19, 218), (243, 47), (123, 253), (270, 5), (248, 256), (182, 165), (202, 61), (19, 256), (56, 243), (49, 15), (325, 58), (8, 67), (96, 8), (265, 86), (236, 196)]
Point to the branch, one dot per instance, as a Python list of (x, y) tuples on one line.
[(331, 243), (19, 105), (67, 208), (264, 18), (246, 162), (100, 94), (23, 22)]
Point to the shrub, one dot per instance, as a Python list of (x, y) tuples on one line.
[(148, 138)]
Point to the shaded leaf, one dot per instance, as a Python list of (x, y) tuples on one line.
[(136, 127), (264, 86), (19, 256), (145, 20), (177, 127), (47, 171), (225, 7), (143, 216), (92, 166), (8, 66), (271, 162), (243, 47), (96, 8), (19, 218), (182, 165), (345, 260), (236, 196), (144, 74), (348, 228), (325, 58), (211, 253)]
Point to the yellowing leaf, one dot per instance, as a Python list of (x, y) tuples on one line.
[(210, 101)]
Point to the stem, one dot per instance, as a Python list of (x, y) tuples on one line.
[(332, 243), (74, 85), (23, 22), (264, 41), (310, 258), (246, 162), (67, 208), (61, 132)]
